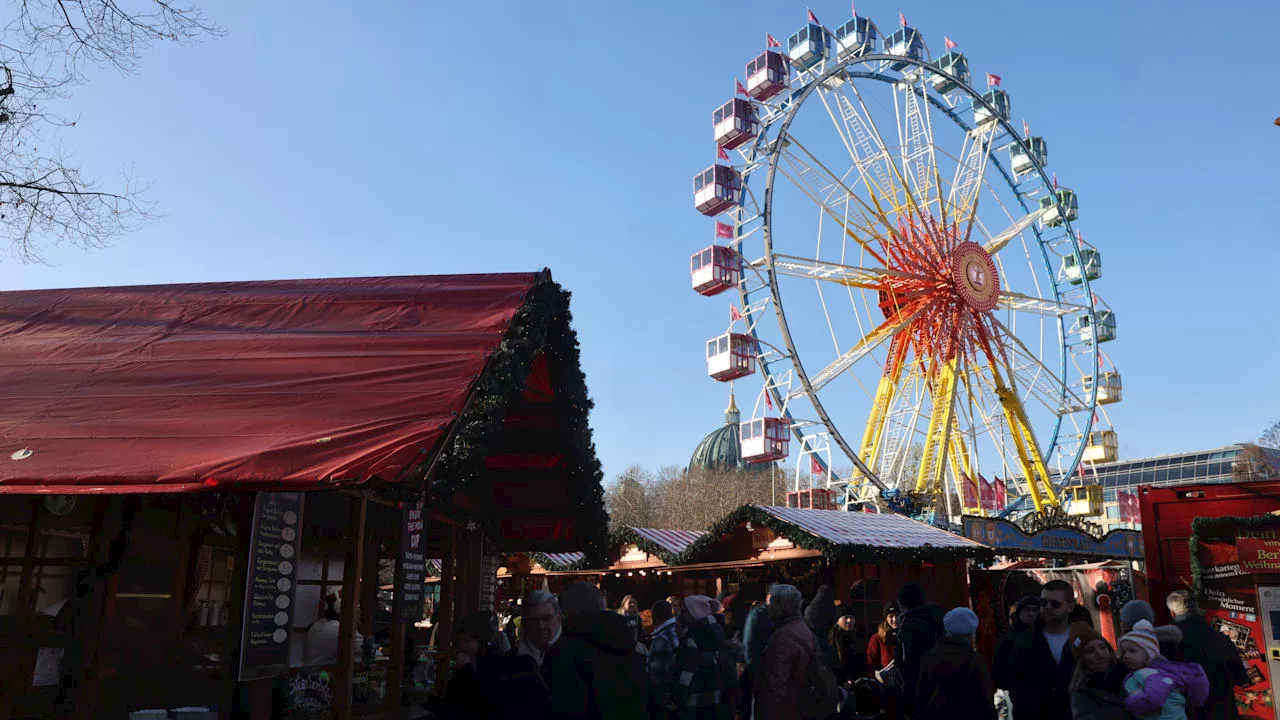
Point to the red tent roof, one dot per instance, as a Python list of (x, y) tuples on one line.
[(291, 383)]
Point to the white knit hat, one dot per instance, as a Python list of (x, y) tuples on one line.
[(1144, 636)]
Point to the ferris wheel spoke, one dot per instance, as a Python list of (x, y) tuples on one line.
[(865, 278), (1001, 240), (967, 182), (1025, 365), (864, 347), (863, 143), (818, 186), (1019, 302), (909, 203), (916, 134)]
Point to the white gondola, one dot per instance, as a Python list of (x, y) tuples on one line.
[(715, 269), (1025, 160), (808, 46), (767, 75), (1099, 327), (1110, 389), (1092, 261), (716, 189), (1061, 204), (1102, 447), (904, 42), (954, 64), (735, 123), (764, 439), (998, 99), (856, 37), (731, 356)]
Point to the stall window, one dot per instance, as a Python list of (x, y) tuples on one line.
[(321, 564)]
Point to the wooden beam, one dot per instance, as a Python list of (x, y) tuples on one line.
[(351, 575)]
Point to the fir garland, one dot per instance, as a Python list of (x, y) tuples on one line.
[(1219, 528), (541, 324)]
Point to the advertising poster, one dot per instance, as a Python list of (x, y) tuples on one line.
[(1230, 603)]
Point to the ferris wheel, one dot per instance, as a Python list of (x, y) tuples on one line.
[(910, 284)]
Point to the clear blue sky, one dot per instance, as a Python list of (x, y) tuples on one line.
[(322, 139)]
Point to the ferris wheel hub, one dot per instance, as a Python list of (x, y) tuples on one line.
[(974, 273)]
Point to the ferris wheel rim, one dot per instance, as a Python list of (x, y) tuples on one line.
[(795, 102)]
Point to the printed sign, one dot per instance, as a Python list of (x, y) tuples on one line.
[(1009, 539), (411, 570), (1258, 549), (268, 604), (1229, 598)]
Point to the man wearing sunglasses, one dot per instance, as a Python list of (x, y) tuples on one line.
[(1037, 673)]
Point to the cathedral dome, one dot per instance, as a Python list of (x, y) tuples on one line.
[(722, 448)]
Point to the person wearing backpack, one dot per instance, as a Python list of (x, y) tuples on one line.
[(954, 681), (794, 682)]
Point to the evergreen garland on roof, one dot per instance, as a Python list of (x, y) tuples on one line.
[(541, 324)]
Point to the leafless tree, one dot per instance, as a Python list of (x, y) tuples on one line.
[(695, 499), (46, 48), (627, 499), (1270, 438)]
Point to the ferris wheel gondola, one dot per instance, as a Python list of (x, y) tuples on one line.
[(906, 268)]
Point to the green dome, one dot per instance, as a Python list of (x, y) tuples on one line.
[(722, 449)]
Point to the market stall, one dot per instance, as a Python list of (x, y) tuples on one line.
[(208, 487)]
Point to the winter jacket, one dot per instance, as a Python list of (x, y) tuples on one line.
[(597, 673), (1163, 690), (706, 680), (1038, 687), (954, 683), (1221, 662), (1099, 696), (661, 663), (847, 658), (919, 629), (780, 675), (880, 651), (756, 633)]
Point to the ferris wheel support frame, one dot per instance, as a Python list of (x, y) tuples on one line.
[(771, 150)]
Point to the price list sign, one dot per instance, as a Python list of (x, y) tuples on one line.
[(272, 570), (412, 567)]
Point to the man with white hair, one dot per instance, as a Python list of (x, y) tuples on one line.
[(541, 626)]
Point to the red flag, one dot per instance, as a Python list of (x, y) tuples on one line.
[(768, 399), (902, 18), (813, 18), (987, 494), (968, 492), (946, 41), (815, 467), (1055, 181), (993, 80), (740, 89), (1127, 503), (724, 230), (720, 153), (1002, 494), (734, 315), (1026, 129), (854, 8), (769, 41)]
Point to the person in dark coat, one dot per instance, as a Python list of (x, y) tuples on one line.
[(1210, 649), (597, 672), (848, 656), (705, 678), (780, 675), (467, 694), (954, 681), (1097, 686), (1025, 615), (919, 629), (822, 613), (1038, 667), (756, 632)]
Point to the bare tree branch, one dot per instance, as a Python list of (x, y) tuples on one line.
[(46, 48)]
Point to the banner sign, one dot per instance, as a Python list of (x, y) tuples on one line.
[(268, 601), (411, 569), (1007, 538)]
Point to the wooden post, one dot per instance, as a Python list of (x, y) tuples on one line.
[(352, 573), (444, 616)]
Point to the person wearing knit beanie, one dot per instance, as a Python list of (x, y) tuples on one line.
[(1133, 611), (699, 607), (961, 622), (1143, 639), (1079, 637)]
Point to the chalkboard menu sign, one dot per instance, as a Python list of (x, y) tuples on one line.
[(272, 569), (411, 567)]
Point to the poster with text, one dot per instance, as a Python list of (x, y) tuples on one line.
[(1229, 599)]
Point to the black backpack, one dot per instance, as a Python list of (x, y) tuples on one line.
[(820, 696)]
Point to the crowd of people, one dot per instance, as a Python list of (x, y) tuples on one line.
[(724, 658)]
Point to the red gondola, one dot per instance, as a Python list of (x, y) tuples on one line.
[(812, 499), (765, 439), (735, 123), (716, 189), (731, 356), (767, 75), (715, 269)]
